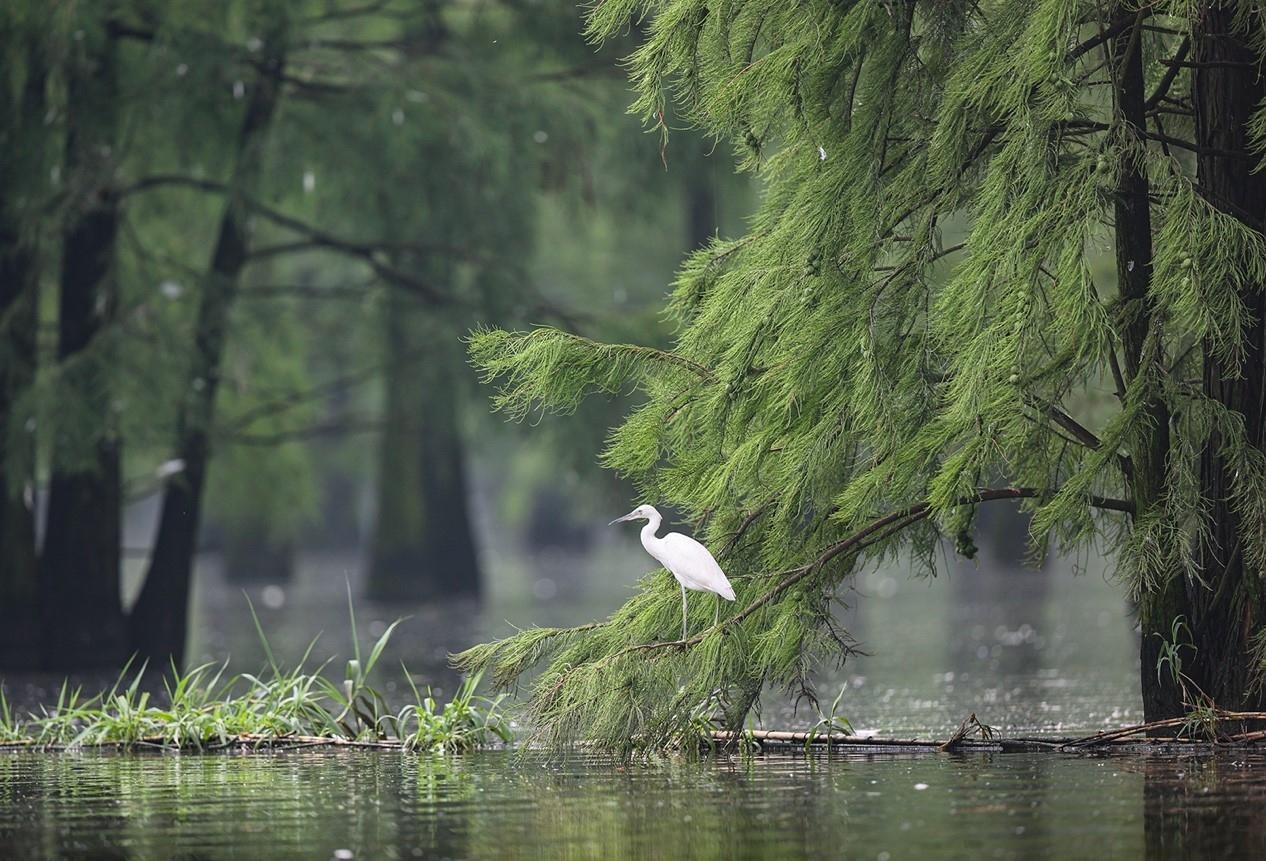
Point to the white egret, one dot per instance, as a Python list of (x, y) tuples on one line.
[(687, 560)]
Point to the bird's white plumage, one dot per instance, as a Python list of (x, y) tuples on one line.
[(689, 561), (686, 559)]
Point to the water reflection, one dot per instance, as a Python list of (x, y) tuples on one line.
[(499, 805), (1210, 807)]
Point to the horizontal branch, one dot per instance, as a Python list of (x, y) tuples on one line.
[(369, 253), (333, 428), (1199, 150), (871, 534)]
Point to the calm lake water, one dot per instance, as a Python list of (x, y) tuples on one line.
[(1035, 652), (499, 805)]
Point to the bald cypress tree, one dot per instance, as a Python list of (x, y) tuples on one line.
[(1014, 240)]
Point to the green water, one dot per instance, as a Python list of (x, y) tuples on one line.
[(497, 805), (1050, 652)]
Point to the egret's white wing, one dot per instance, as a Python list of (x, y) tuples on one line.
[(693, 565)]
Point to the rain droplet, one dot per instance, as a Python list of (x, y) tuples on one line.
[(540, 136), (821, 154), (397, 117), (239, 89), (274, 598), (182, 70), (309, 181)]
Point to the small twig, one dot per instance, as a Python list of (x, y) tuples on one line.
[(970, 724)]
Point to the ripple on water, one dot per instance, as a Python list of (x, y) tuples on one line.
[(310, 804)]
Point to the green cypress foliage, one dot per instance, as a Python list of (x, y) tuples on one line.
[(920, 307)]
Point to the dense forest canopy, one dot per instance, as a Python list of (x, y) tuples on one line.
[(239, 245), (1006, 250)]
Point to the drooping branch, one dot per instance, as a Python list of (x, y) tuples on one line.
[(873, 533)]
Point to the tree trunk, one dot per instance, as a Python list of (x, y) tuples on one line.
[(19, 629), (1133, 232), (22, 140), (1224, 612), (160, 617), (81, 610), (423, 545)]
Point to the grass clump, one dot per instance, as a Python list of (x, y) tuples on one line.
[(205, 708)]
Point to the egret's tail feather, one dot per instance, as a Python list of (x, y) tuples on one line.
[(726, 592)]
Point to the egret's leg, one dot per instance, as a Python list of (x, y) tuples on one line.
[(683, 612), (716, 617)]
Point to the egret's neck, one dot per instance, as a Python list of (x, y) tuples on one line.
[(649, 530)]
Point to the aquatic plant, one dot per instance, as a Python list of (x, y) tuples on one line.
[(205, 708)]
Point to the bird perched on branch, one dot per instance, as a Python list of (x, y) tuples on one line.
[(687, 560)]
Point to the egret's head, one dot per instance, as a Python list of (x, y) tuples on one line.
[(642, 512)]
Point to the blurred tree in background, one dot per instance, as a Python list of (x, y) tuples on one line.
[(239, 243)]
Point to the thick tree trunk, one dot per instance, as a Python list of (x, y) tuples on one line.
[(423, 544), (19, 628), (23, 140), (1220, 609), (81, 610), (1133, 230), (159, 619), (1225, 611)]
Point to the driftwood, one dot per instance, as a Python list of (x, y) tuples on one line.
[(1201, 732), (1188, 733)]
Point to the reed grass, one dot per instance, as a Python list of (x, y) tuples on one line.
[(207, 708)]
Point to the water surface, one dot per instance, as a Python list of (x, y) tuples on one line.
[(497, 805), (1049, 651)]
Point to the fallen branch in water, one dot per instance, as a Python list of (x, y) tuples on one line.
[(1120, 738), (1211, 719)]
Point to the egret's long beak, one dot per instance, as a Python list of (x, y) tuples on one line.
[(630, 516)]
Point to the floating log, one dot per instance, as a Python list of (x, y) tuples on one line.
[(1196, 732)]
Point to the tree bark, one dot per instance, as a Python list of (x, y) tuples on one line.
[(81, 610), (1133, 232), (159, 619), (1224, 612), (423, 544), (22, 139)]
